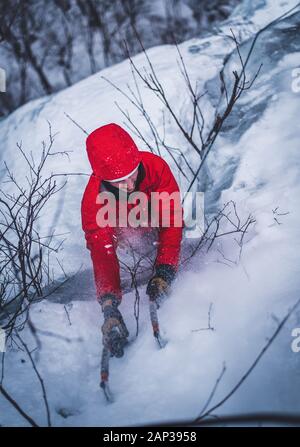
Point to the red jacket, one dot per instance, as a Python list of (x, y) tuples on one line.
[(113, 154)]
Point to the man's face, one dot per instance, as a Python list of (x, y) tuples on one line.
[(128, 184)]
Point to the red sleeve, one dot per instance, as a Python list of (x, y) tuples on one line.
[(169, 236)]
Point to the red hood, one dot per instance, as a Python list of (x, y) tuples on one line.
[(112, 152)]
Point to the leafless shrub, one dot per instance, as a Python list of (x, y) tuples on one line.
[(25, 253), (199, 135)]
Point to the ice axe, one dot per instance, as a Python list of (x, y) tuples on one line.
[(154, 298), (118, 340)]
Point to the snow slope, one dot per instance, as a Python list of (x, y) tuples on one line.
[(255, 162)]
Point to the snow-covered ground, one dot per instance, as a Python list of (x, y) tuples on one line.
[(255, 162)]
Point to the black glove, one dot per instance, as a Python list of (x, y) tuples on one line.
[(114, 330), (159, 284)]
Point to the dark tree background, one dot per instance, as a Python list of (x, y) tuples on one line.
[(48, 45)]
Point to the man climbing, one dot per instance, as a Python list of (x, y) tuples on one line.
[(121, 169)]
